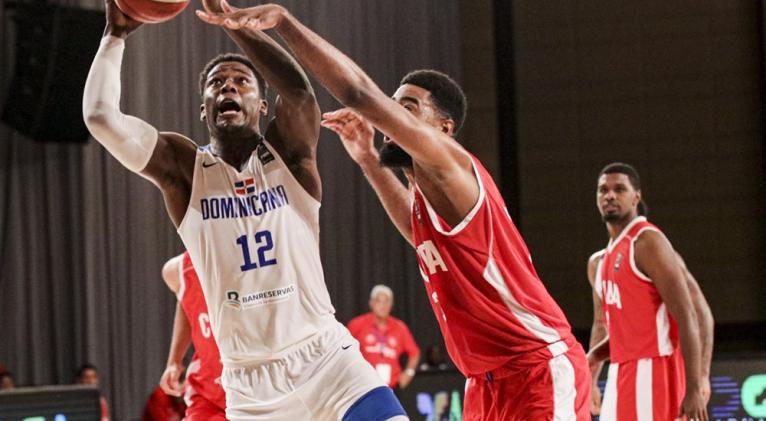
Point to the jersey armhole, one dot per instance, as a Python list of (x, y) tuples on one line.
[(632, 252), (434, 217), (290, 174), (193, 186)]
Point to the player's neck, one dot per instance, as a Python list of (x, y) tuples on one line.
[(235, 150), (616, 228)]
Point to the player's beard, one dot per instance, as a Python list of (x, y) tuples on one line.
[(392, 156)]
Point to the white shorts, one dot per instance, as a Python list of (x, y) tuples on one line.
[(318, 380)]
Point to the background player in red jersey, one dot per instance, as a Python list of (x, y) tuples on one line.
[(501, 327), (204, 395), (384, 338), (599, 329), (649, 312)]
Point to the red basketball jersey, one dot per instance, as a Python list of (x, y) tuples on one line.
[(204, 372), (638, 322), (491, 306)]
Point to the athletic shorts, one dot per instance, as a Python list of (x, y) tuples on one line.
[(320, 379), (201, 409), (557, 389), (644, 390)]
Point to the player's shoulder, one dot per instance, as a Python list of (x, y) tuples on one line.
[(596, 257)]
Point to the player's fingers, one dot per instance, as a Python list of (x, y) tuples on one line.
[(228, 8), (209, 17), (231, 23)]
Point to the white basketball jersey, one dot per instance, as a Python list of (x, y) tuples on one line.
[(253, 237)]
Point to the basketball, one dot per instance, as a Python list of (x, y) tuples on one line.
[(152, 11)]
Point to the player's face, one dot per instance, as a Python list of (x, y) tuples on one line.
[(616, 198), (381, 304), (417, 101), (232, 99)]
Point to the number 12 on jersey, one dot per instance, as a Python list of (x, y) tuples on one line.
[(265, 244)]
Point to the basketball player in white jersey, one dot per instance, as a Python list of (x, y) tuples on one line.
[(247, 210)]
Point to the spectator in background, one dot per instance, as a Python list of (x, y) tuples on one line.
[(88, 374), (6, 381), (435, 359), (384, 338)]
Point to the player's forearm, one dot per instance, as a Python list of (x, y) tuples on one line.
[(393, 195), (343, 78), (280, 70), (706, 325), (688, 331), (129, 139), (599, 353), (181, 339), (597, 335)]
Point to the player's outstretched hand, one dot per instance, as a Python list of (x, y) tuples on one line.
[(170, 381), (693, 406), (118, 23), (356, 133), (259, 18)]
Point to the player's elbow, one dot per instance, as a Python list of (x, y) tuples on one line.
[(97, 118), (357, 94)]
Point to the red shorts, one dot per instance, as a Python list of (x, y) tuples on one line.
[(645, 389), (202, 409), (556, 389)]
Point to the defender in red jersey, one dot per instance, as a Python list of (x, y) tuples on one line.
[(204, 395), (656, 370), (501, 327)]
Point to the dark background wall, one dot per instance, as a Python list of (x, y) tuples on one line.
[(674, 88)]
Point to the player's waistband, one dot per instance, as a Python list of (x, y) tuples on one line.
[(542, 355), (329, 331)]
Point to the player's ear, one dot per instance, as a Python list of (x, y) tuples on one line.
[(448, 126), (638, 197), (264, 107), (202, 113)]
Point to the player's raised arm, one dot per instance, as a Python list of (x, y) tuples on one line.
[(656, 258), (164, 158), (432, 149)]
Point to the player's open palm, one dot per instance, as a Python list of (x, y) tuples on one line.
[(260, 18), (356, 133), (170, 382), (693, 406)]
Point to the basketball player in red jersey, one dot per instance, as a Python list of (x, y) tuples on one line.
[(204, 396), (649, 314), (502, 328)]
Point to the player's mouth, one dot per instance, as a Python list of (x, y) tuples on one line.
[(228, 109), (610, 207)]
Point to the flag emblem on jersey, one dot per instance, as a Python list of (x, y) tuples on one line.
[(244, 187), (617, 262)]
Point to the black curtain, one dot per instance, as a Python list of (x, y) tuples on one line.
[(82, 240)]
